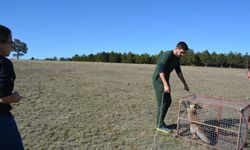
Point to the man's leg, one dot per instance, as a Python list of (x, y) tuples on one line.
[(163, 103), (158, 92)]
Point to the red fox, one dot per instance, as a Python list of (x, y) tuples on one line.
[(195, 129)]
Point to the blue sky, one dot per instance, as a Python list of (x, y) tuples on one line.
[(63, 28)]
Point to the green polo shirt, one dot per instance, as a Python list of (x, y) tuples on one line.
[(166, 64)]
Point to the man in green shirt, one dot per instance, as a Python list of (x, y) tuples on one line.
[(167, 62)]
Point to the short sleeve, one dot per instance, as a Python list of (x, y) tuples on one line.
[(165, 57)]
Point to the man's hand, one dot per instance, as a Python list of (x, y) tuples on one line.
[(16, 97), (13, 98), (186, 87), (167, 89)]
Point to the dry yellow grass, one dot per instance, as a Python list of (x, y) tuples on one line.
[(106, 106)]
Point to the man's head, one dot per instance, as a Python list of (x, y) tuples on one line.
[(181, 49), (5, 41)]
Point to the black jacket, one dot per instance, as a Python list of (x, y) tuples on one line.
[(7, 78)]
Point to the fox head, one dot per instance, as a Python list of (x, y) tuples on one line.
[(192, 108)]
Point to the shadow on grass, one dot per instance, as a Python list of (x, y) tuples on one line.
[(172, 126), (213, 133)]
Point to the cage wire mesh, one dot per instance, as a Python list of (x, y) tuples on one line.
[(217, 123)]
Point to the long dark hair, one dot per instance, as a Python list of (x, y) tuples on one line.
[(4, 34)]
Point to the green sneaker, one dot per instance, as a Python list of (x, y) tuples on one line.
[(164, 129)]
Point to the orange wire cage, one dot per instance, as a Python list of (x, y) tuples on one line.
[(223, 122)]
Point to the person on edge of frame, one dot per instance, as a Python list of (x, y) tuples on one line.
[(248, 73), (168, 61), (10, 138)]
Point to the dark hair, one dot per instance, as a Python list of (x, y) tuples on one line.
[(4, 34), (182, 45)]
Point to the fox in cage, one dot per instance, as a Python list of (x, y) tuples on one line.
[(195, 129), (216, 123)]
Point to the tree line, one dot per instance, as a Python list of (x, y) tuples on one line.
[(204, 58)]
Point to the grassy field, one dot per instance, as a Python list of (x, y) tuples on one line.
[(80, 105)]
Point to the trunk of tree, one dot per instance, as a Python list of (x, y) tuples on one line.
[(17, 55)]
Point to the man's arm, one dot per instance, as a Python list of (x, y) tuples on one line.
[(14, 98), (165, 83), (162, 69), (181, 77), (6, 68)]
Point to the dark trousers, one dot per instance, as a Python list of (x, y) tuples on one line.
[(10, 138), (163, 102)]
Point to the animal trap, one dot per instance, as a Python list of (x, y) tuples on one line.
[(214, 122)]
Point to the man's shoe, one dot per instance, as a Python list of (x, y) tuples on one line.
[(164, 129)]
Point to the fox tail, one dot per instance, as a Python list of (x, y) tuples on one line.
[(203, 137)]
